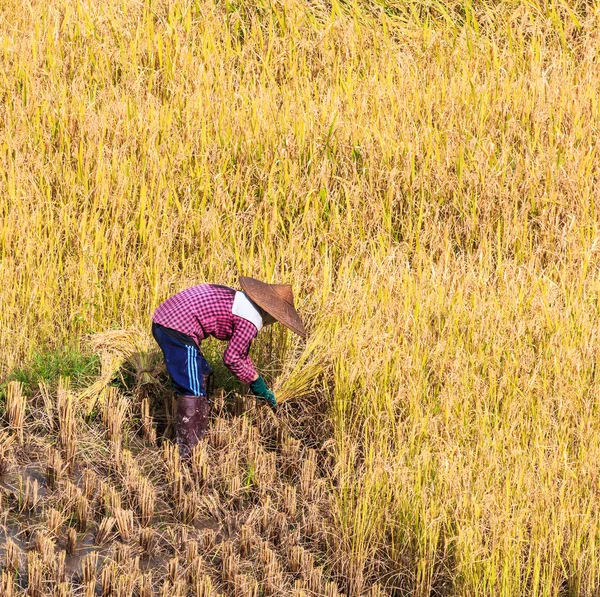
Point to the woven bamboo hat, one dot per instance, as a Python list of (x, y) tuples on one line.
[(277, 300)]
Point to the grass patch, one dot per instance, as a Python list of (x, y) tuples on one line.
[(50, 365)]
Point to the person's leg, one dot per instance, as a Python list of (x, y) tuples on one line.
[(176, 355), (186, 365)]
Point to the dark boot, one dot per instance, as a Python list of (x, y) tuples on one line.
[(191, 422)]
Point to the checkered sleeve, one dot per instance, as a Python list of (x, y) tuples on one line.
[(236, 357)]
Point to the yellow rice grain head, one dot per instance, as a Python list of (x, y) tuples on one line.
[(15, 408), (302, 371), (105, 530), (115, 347)]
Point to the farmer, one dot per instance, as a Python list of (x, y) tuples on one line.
[(181, 323)]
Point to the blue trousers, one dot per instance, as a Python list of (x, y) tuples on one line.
[(185, 363)]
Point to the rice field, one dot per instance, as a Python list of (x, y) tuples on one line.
[(426, 176)]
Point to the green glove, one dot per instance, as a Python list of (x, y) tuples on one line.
[(260, 390)]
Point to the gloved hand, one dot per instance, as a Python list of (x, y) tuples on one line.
[(260, 390)]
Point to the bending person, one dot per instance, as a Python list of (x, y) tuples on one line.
[(181, 323)]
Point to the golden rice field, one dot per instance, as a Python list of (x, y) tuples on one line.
[(426, 174)]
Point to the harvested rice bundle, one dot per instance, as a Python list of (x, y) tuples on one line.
[(300, 374)]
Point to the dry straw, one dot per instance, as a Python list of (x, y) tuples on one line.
[(66, 421), (6, 453), (116, 347), (15, 408), (426, 174)]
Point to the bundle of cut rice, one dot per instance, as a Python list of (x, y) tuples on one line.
[(115, 348), (300, 373)]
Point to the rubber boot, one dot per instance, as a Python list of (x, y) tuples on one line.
[(190, 423)]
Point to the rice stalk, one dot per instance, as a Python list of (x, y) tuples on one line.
[(15, 408), (300, 373)]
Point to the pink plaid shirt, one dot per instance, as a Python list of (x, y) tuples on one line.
[(205, 310)]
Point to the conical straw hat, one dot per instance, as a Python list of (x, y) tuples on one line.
[(275, 299)]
